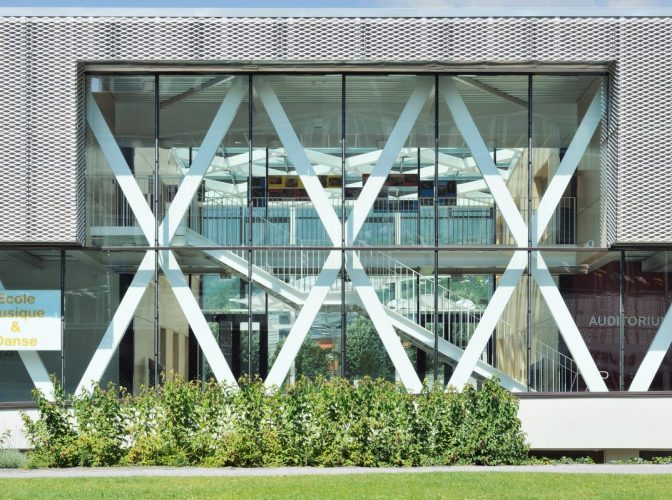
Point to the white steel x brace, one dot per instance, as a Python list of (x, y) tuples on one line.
[(145, 274), (353, 225), (516, 224)]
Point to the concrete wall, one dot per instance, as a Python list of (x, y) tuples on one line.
[(597, 423)]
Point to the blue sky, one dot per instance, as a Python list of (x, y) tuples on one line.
[(339, 3)]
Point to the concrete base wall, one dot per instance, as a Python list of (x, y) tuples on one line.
[(597, 423), (10, 420)]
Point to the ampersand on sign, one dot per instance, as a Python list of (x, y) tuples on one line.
[(15, 327)]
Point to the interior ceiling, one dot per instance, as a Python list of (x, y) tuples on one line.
[(389, 88)]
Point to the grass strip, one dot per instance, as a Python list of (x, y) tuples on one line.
[(428, 485)]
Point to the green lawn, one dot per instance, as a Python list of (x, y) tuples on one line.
[(429, 485)]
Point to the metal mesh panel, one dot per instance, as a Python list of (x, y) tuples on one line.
[(645, 121), (42, 194), (14, 137)]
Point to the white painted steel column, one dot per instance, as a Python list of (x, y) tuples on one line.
[(38, 372)]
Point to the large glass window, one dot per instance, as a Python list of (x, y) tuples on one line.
[(280, 166)]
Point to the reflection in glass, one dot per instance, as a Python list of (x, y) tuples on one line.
[(27, 270), (560, 104), (468, 213), (126, 105), (647, 297), (252, 194), (403, 213), (188, 108)]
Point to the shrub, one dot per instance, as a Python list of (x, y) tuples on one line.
[(312, 422), (10, 458), (53, 434), (491, 431)]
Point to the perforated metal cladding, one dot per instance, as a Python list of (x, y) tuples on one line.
[(42, 194), (14, 137), (645, 131)]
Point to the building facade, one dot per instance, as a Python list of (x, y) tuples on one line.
[(434, 197)]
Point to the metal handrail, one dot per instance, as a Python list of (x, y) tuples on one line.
[(462, 220), (559, 371)]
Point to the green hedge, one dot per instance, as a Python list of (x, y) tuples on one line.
[(317, 423)]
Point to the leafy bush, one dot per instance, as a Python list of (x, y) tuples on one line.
[(53, 435), (313, 422)]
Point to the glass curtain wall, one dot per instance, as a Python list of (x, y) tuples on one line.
[(384, 199)]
